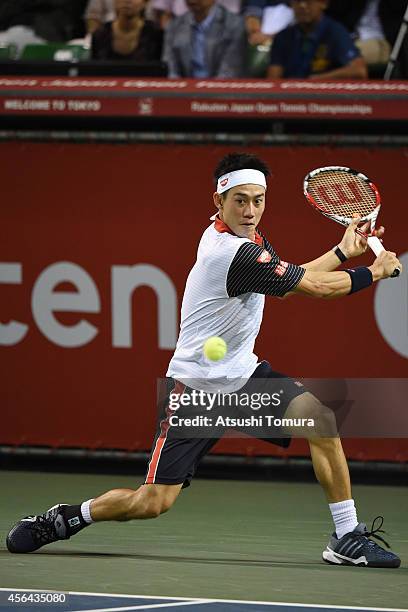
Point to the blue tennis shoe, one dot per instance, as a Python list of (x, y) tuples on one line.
[(356, 548)]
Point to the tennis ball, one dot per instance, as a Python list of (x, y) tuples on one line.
[(215, 348)]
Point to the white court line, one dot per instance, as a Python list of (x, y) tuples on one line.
[(151, 606), (197, 599), (124, 595)]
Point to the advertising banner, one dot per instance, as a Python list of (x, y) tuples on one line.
[(96, 244), (109, 97)]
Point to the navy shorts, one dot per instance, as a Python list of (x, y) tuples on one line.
[(174, 458)]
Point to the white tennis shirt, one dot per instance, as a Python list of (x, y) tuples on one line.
[(224, 296)]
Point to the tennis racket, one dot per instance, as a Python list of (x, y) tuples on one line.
[(338, 192)]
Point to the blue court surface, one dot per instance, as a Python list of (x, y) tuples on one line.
[(52, 601)]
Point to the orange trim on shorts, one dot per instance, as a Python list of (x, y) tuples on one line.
[(164, 428)]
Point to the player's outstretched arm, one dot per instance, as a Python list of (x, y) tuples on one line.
[(325, 263), (351, 245), (332, 285)]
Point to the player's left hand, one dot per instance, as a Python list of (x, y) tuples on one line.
[(352, 244)]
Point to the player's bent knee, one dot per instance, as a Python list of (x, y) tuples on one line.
[(152, 511), (325, 422), (317, 419), (150, 501)]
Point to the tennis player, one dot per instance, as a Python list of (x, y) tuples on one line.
[(236, 267)]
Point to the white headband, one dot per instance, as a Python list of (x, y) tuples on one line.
[(240, 177)]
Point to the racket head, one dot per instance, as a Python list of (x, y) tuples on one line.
[(339, 192)]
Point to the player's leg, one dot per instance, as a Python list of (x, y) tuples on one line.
[(64, 520), (171, 467), (148, 501), (350, 543), (330, 467), (329, 461)]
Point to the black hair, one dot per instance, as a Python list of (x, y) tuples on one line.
[(239, 161)]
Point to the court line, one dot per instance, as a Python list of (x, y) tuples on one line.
[(91, 594), (261, 603), (304, 605), (151, 606), (197, 599)]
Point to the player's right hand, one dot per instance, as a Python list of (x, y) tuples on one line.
[(385, 264)]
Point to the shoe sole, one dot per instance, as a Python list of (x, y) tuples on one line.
[(329, 556), (334, 558)]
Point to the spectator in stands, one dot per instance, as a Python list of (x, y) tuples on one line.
[(316, 47), (97, 13), (265, 18), (206, 42), (129, 37), (165, 10), (374, 24), (39, 21)]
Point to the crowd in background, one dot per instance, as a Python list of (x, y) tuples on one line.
[(220, 38)]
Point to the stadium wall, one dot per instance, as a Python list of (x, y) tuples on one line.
[(97, 241)]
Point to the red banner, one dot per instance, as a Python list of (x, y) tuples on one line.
[(96, 244), (194, 98)]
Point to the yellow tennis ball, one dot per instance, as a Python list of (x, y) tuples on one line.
[(215, 348)]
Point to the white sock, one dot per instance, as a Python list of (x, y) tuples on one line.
[(344, 516), (86, 512)]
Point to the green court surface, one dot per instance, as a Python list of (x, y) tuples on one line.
[(222, 539)]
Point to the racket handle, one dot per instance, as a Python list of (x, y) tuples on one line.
[(377, 247)]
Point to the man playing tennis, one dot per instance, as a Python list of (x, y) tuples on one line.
[(224, 296)]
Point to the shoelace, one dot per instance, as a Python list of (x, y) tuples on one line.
[(373, 532), (43, 530)]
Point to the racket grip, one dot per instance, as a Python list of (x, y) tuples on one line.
[(377, 247)]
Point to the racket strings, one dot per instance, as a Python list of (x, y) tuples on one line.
[(340, 193)]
